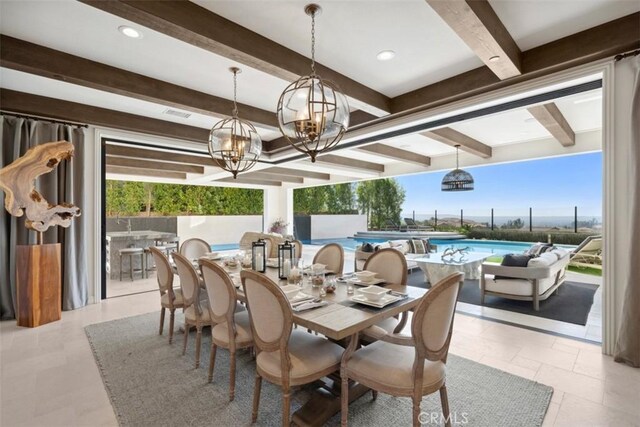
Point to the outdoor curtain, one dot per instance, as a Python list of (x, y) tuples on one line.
[(63, 184), (627, 75)]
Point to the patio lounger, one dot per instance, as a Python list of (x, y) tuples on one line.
[(588, 253), (411, 225)]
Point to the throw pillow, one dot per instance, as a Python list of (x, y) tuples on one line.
[(427, 245), (537, 249), (367, 247), (417, 246), (513, 260)]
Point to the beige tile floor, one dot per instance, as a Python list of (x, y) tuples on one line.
[(48, 376)]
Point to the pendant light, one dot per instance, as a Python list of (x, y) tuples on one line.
[(457, 179), (313, 114), (234, 143)]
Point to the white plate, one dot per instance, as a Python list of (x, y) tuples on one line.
[(373, 282), (382, 302)]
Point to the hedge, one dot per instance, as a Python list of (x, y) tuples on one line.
[(527, 236)]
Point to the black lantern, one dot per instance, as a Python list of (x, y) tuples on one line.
[(286, 255), (258, 253)]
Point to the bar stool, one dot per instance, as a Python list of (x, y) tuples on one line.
[(131, 253), (151, 267), (171, 244)]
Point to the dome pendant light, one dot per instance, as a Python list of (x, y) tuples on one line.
[(457, 179), (234, 143), (313, 114)]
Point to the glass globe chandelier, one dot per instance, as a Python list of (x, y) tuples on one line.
[(313, 114), (234, 143), (457, 179)]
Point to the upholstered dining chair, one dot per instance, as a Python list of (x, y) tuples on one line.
[(406, 366), (285, 357), (331, 255), (194, 248), (194, 315), (391, 266), (170, 298), (232, 329)]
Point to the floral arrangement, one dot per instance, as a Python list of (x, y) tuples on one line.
[(279, 226)]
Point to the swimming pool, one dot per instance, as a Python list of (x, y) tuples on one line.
[(497, 247)]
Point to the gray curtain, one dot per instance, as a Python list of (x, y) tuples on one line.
[(628, 342), (63, 184)]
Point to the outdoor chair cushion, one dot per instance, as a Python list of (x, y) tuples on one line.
[(544, 260), (513, 260), (513, 286), (538, 248)]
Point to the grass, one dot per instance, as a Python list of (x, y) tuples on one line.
[(586, 270)]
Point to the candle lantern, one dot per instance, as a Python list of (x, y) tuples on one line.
[(258, 253), (286, 255)]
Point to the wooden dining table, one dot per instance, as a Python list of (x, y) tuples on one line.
[(341, 320)]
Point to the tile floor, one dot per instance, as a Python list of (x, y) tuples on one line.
[(48, 376)]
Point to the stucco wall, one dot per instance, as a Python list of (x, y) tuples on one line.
[(218, 229), (333, 226)]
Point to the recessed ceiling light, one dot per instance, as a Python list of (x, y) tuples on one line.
[(130, 32), (385, 55), (494, 58)]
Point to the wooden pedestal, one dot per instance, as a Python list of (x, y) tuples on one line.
[(38, 284)]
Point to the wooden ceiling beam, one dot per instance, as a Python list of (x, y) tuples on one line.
[(333, 160), (390, 152), (549, 116), (39, 60), (263, 174), (145, 172), (241, 180), (165, 156), (152, 164), (606, 40), (26, 103), (200, 27), (477, 24), (452, 138), (296, 172)]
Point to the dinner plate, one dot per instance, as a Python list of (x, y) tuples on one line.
[(377, 281), (382, 302)]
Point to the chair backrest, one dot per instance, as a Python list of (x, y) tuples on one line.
[(390, 264), (163, 270), (409, 221), (194, 248), (221, 292), (189, 282), (269, 312), (433, 318), (331, 255), (297, 244)]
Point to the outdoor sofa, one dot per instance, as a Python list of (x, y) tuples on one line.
[(403, 245)]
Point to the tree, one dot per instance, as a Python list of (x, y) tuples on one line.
[(513, 224), (381, 200)]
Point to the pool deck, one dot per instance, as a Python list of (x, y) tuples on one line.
[(411, 234)]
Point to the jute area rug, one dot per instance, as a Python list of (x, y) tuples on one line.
[(150, 383)]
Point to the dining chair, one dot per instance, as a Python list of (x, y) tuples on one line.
[(391, 266), (297, 244), (194, 315), (285, 357), (232, 329), (331, 255), (406, 366), (194, 248), (170, 298)]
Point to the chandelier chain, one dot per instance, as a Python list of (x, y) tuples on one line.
[(235, 86), (313, 44)]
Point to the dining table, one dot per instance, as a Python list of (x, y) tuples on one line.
[(341, 320)]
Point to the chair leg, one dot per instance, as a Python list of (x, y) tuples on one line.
[(232, 376), (186, 337), (198, 343), (121, 268), (374, 394), (131, 266), (172, 319), (256, 398), (416, 411), (212, 360), (286, 407), (445, 405), (344, 398), (162, 311)]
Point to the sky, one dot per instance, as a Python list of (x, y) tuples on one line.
[(552, 187)]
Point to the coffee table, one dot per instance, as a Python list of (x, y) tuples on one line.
[(436, 268)]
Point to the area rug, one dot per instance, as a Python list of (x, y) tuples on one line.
[(572, 303), (150, 383)]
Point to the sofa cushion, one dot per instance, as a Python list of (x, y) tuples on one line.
[(544, 260), (417, 246), (521, 287), (401, 245), (559, 252), (367, 247), (537, 249), (384, 245), (513, 260)]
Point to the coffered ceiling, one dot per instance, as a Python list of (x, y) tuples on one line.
[(72, 54)]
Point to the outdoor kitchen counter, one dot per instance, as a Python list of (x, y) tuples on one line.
[(117, 240)]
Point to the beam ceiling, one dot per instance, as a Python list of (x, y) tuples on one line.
[(145, 172), (477, 24), (452, 137), (295, 172), (333, 160), (151, 164), (263, 175), (35, 59), (240, 180), (200, 27), (166, 156), (549, 116), (390, 152)]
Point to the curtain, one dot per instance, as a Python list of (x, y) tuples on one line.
[(628, 340), (63, 184)]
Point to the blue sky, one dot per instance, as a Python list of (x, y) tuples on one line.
[(551, 186)]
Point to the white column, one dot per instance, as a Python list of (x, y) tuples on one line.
[(278, 203), (93, 212)]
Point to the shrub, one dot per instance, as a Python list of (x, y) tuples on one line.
[(526, 236)]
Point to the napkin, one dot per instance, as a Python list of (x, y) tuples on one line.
[(309, 306)]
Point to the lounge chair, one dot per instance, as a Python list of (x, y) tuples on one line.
[(390, 225), (411, 225), (588, 253)]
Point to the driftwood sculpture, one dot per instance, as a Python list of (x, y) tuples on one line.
[(18, 181)]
